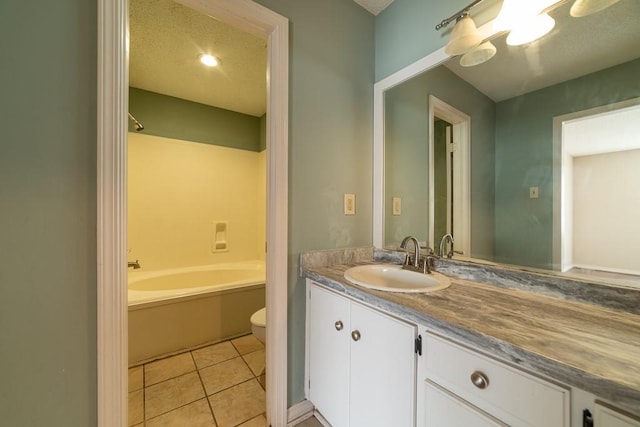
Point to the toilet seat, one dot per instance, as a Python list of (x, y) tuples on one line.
[(259, 318)]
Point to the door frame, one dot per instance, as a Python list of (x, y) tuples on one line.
[(461, 134), (562, 231), (112, 108)]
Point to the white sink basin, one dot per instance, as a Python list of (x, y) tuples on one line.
[(392, 278)]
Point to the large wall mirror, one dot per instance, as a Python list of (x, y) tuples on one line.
[(529, 159)]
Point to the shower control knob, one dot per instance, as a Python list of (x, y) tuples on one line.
[(339, 325), (355, 335)]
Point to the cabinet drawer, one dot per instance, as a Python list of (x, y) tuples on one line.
[(609, 416), (513, 396)]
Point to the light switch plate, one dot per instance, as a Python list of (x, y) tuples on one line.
[(396, 208), (349, 204)]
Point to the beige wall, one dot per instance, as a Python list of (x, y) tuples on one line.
[(178, 189), (606, 208)]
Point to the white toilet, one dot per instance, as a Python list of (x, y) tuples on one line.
[(258, 324)]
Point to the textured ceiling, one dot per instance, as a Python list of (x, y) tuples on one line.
[(165, 41), (374, 6), (575, 47)]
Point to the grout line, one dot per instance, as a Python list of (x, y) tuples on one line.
[(197, 371), (206, 396)]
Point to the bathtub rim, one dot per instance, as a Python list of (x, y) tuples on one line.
[(146, 299)]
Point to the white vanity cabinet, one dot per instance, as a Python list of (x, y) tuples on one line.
[(460, 387), (361, 362), (608, 416)]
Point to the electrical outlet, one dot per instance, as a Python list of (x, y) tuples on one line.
[(349, 204), (396, 208), (533, 192)]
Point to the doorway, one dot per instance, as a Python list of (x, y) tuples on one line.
[(449, 171), (598, 185), (111, 193)]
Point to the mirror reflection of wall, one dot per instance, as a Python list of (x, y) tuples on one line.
[(515, 207)]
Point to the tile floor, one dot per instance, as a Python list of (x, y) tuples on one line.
[(221, 385)]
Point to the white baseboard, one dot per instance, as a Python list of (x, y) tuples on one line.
[(299, 412)]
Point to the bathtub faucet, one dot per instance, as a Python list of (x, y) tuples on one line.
[(135, 264)]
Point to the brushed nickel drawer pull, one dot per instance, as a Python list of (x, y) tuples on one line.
[(355, 335), (480, 380), (339, 325)]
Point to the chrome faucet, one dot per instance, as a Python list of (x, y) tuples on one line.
[(135, 264), (442, 243), (416, 254)]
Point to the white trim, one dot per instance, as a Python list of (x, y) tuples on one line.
[(462, 195), (112, 98), (112, 127), (428, 62), (300, 412), (562, 250)]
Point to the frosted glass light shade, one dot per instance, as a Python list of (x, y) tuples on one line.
[(531, 30), (586, 7), (514, 12), (464, 37), (477, 56)]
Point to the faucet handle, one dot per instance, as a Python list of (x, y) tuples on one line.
[(428, 249)]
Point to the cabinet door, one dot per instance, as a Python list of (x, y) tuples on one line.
[(607, 416), (329, 342), (443, 409), (382, 369)]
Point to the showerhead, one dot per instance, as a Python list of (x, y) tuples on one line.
[(136, 124)]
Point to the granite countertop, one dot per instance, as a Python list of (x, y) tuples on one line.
[(591, 347)]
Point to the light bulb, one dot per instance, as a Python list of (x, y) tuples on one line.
[(208, 60), (530, 30)]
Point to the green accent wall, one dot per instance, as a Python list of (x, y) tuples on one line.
[(177, 118), (524, 158), (407, 156), (263, 133), (440, 178), (405, 30), (330, 142), (48, 215)]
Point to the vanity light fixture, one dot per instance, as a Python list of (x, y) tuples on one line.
[(586, 7), (525, 20), (464, 37), (208, 60), (530, 30), (478, 55)]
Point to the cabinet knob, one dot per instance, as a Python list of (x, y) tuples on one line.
[(355, 335), (480, 380), (339, 325)]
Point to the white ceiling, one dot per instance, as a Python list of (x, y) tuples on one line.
[(580, 46), (374, 6), (603, 133)]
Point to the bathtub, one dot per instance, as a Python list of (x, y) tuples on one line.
[(179, 309)]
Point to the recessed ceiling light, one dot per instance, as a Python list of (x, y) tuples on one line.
[(208, 60)]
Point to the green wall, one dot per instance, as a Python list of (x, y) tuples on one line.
[(177, 118), (48, 187), (440, 178), (330, 141), (48, 213), (405, 31), (524, 158), (406, 155)]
